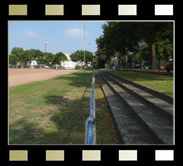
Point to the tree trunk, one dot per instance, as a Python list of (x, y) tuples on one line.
[(153, 57), (126, 61)]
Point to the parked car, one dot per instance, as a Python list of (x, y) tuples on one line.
[(161, 64), (161, 67), (169, 66), (47, 67)]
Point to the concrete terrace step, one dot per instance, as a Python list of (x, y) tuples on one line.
[(130, 130), (161, 106), (157, 126), (153, 92)]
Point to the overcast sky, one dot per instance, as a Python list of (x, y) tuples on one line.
[(64, 36)]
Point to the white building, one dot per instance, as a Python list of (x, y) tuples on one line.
[(68, 64), (31, 64)]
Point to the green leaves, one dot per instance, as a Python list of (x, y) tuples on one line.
[(136, 38), (59, 57), (79, 56), (13, 59)]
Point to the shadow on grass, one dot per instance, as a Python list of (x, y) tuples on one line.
[(65, 124), (63, 121), (65, 118), (77, 79)]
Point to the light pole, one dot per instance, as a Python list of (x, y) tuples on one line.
[(84, 48), (45, 45)]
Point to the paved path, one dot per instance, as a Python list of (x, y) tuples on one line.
[(19, 77)]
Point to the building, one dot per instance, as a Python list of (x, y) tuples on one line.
[(31, 64), (68, 64)]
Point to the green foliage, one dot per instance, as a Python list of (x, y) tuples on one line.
[(13, 59), (59, 57), (48, 57), (79, 56), (39, 56), (136, 38), (77, 67), (164, 49), (18, 51)]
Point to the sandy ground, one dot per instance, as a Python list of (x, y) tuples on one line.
[(19, 77)]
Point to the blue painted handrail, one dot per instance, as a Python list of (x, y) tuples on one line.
[(90, 126)]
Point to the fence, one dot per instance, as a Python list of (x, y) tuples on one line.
[(90, 125)]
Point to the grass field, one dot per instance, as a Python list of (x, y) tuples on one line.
[(54, 112), (161, 83)]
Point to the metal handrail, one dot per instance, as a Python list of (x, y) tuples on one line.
[(90, 125)]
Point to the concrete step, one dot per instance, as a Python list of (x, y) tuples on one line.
[(129, 129), (157, 126), (153, 92), (159, 105)]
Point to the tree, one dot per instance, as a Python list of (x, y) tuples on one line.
[(101, 53), (154, 32), (59, 57), (28, 55), (18, 51), (118, 37), (48, 57), (95, 61), (127, 37), (39, 56), (79, 56), (13, 59)]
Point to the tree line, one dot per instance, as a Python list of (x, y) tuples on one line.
[(127, 41), (18, 55)]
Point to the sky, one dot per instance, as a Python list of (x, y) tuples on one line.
[(61, 36)]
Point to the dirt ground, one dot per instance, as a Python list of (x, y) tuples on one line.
[(19, 77)]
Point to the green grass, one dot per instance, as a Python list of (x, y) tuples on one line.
[(54, 112), (161, 83)]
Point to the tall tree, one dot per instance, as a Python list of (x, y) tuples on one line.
[(27, 56), (79, 56), (48, 57), (18, 51), (155, 32), (13, 59), (59, 57), (126, 37), (39, 56)]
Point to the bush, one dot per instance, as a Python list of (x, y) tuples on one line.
[(61, 67), (77, 67)]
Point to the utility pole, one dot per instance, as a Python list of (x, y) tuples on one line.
[(84, 47)]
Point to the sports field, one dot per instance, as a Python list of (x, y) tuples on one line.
[(25, 76)]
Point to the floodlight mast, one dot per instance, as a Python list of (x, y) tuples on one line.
[(45, 45)]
